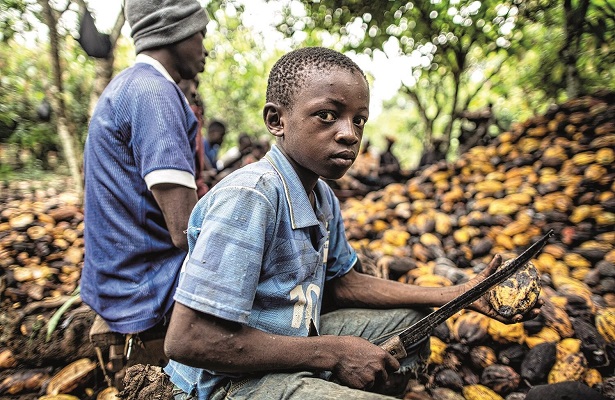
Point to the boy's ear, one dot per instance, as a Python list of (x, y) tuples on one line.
[(272, 115)]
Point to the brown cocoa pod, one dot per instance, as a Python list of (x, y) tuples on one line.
[(593, 344), (447, 378), (501, 378), (538, 362)]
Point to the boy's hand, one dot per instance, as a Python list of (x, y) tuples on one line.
[(362, 364), (482, 305)]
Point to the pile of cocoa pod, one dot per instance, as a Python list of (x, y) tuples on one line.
[(554, 171)]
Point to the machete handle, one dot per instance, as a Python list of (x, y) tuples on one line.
[(394, 347)]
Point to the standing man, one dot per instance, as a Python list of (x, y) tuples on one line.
[(139, 163)]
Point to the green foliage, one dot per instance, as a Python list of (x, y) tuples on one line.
[(16, 16), (235, 79), (25, 83)]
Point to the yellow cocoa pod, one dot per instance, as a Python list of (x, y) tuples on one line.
[(438, 349), (584, 158), (580, 213), (548, 334), (572, 368), (489, 186), (429, 239), (559, 268), (605, 218), (396, 237), (595, 172), (567, 346), (557, 319), (380, 225), (502, 207), (518, 293), (432, 281), (480, 392), (605, 323), (69, 376), (556, 250), (504, 241), (506, 333), (529, 145), (545, 262), (514, 228), (559, 301), (575, 260), (605, 156), (532, 341), (592, 377)]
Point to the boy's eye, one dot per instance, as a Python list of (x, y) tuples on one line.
[(360, 121), (326, 115)]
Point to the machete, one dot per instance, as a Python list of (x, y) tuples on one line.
[(399, 345)]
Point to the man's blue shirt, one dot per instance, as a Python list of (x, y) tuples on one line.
[(142, 125), (260, 255)]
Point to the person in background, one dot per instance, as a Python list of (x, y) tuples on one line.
[(247, 321), (389, 170), (139, 165), (216, 130), (190, 89), (232, 158)]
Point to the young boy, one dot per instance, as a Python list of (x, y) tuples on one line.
[(264, 241)]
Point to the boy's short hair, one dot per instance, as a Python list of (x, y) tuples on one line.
[(293, 70)]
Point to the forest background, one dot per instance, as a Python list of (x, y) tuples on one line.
[(450, 57)]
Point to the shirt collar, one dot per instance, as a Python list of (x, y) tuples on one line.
[(301, 212), (143, 58)]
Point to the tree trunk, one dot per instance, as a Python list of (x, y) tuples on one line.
[(104, 67), (574, 21), (71, 155)]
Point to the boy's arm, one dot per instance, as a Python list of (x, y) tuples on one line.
[(204, 341), (360, 290)]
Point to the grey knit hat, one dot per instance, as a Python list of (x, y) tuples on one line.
[(157, 23)]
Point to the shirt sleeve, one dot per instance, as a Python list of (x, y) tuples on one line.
[(161, 127), (221, 274), (341, 257)]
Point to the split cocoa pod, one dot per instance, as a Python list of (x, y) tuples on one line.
[(518, 293)]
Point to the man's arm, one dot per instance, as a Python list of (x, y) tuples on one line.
[(204, 341), (176, 203)]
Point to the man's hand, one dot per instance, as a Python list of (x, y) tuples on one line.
[(482, 305), (362, 364)]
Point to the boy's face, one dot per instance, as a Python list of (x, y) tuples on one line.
[(322, 133)]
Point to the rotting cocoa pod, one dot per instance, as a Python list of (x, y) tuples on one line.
[(501, 378), (471, 328), (442, 332), (517, 294), (447, 378), (571, 368), (538, 362), (441, 393), (512, 355), (593, 344), (482, 356)]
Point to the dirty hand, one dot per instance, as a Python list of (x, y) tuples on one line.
[(361, 364), (483, 306)]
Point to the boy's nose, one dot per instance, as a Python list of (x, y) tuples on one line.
[(348, 132)]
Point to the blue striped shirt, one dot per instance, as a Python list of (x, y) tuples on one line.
[(257, 256), (142, 127)]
